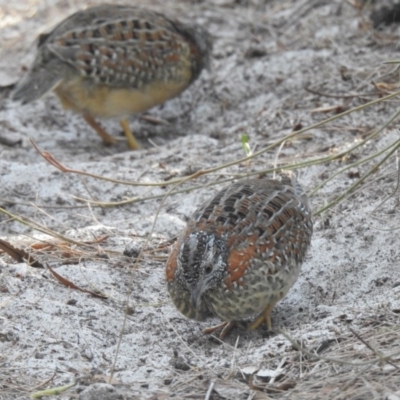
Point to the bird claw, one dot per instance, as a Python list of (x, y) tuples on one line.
[(265, 316), (226, 328)]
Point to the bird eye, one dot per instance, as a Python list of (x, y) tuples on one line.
[(208, 269)]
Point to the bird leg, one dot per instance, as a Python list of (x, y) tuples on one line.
[(107, 139), (132, 143), (265, 316), (226, 328)]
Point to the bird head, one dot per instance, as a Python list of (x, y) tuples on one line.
[(202, 264)]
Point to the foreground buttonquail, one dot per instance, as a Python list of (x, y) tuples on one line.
[(241, 252), (112, 61)]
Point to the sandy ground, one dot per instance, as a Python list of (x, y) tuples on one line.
[(266, 56)]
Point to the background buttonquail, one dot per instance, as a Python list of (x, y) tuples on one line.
[(112, 61), (241, 252)]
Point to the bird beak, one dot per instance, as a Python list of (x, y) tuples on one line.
[(196, 294)]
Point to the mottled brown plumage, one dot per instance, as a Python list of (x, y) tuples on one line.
[(113, 61), (241, 252)]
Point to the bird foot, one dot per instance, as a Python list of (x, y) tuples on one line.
[(225, 326), (265, 316), (132, 142), (107, 139)]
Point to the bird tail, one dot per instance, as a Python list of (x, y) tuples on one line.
[(38, 81)]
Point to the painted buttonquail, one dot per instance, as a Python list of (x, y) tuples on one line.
[(113, 61), (241, 252)]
